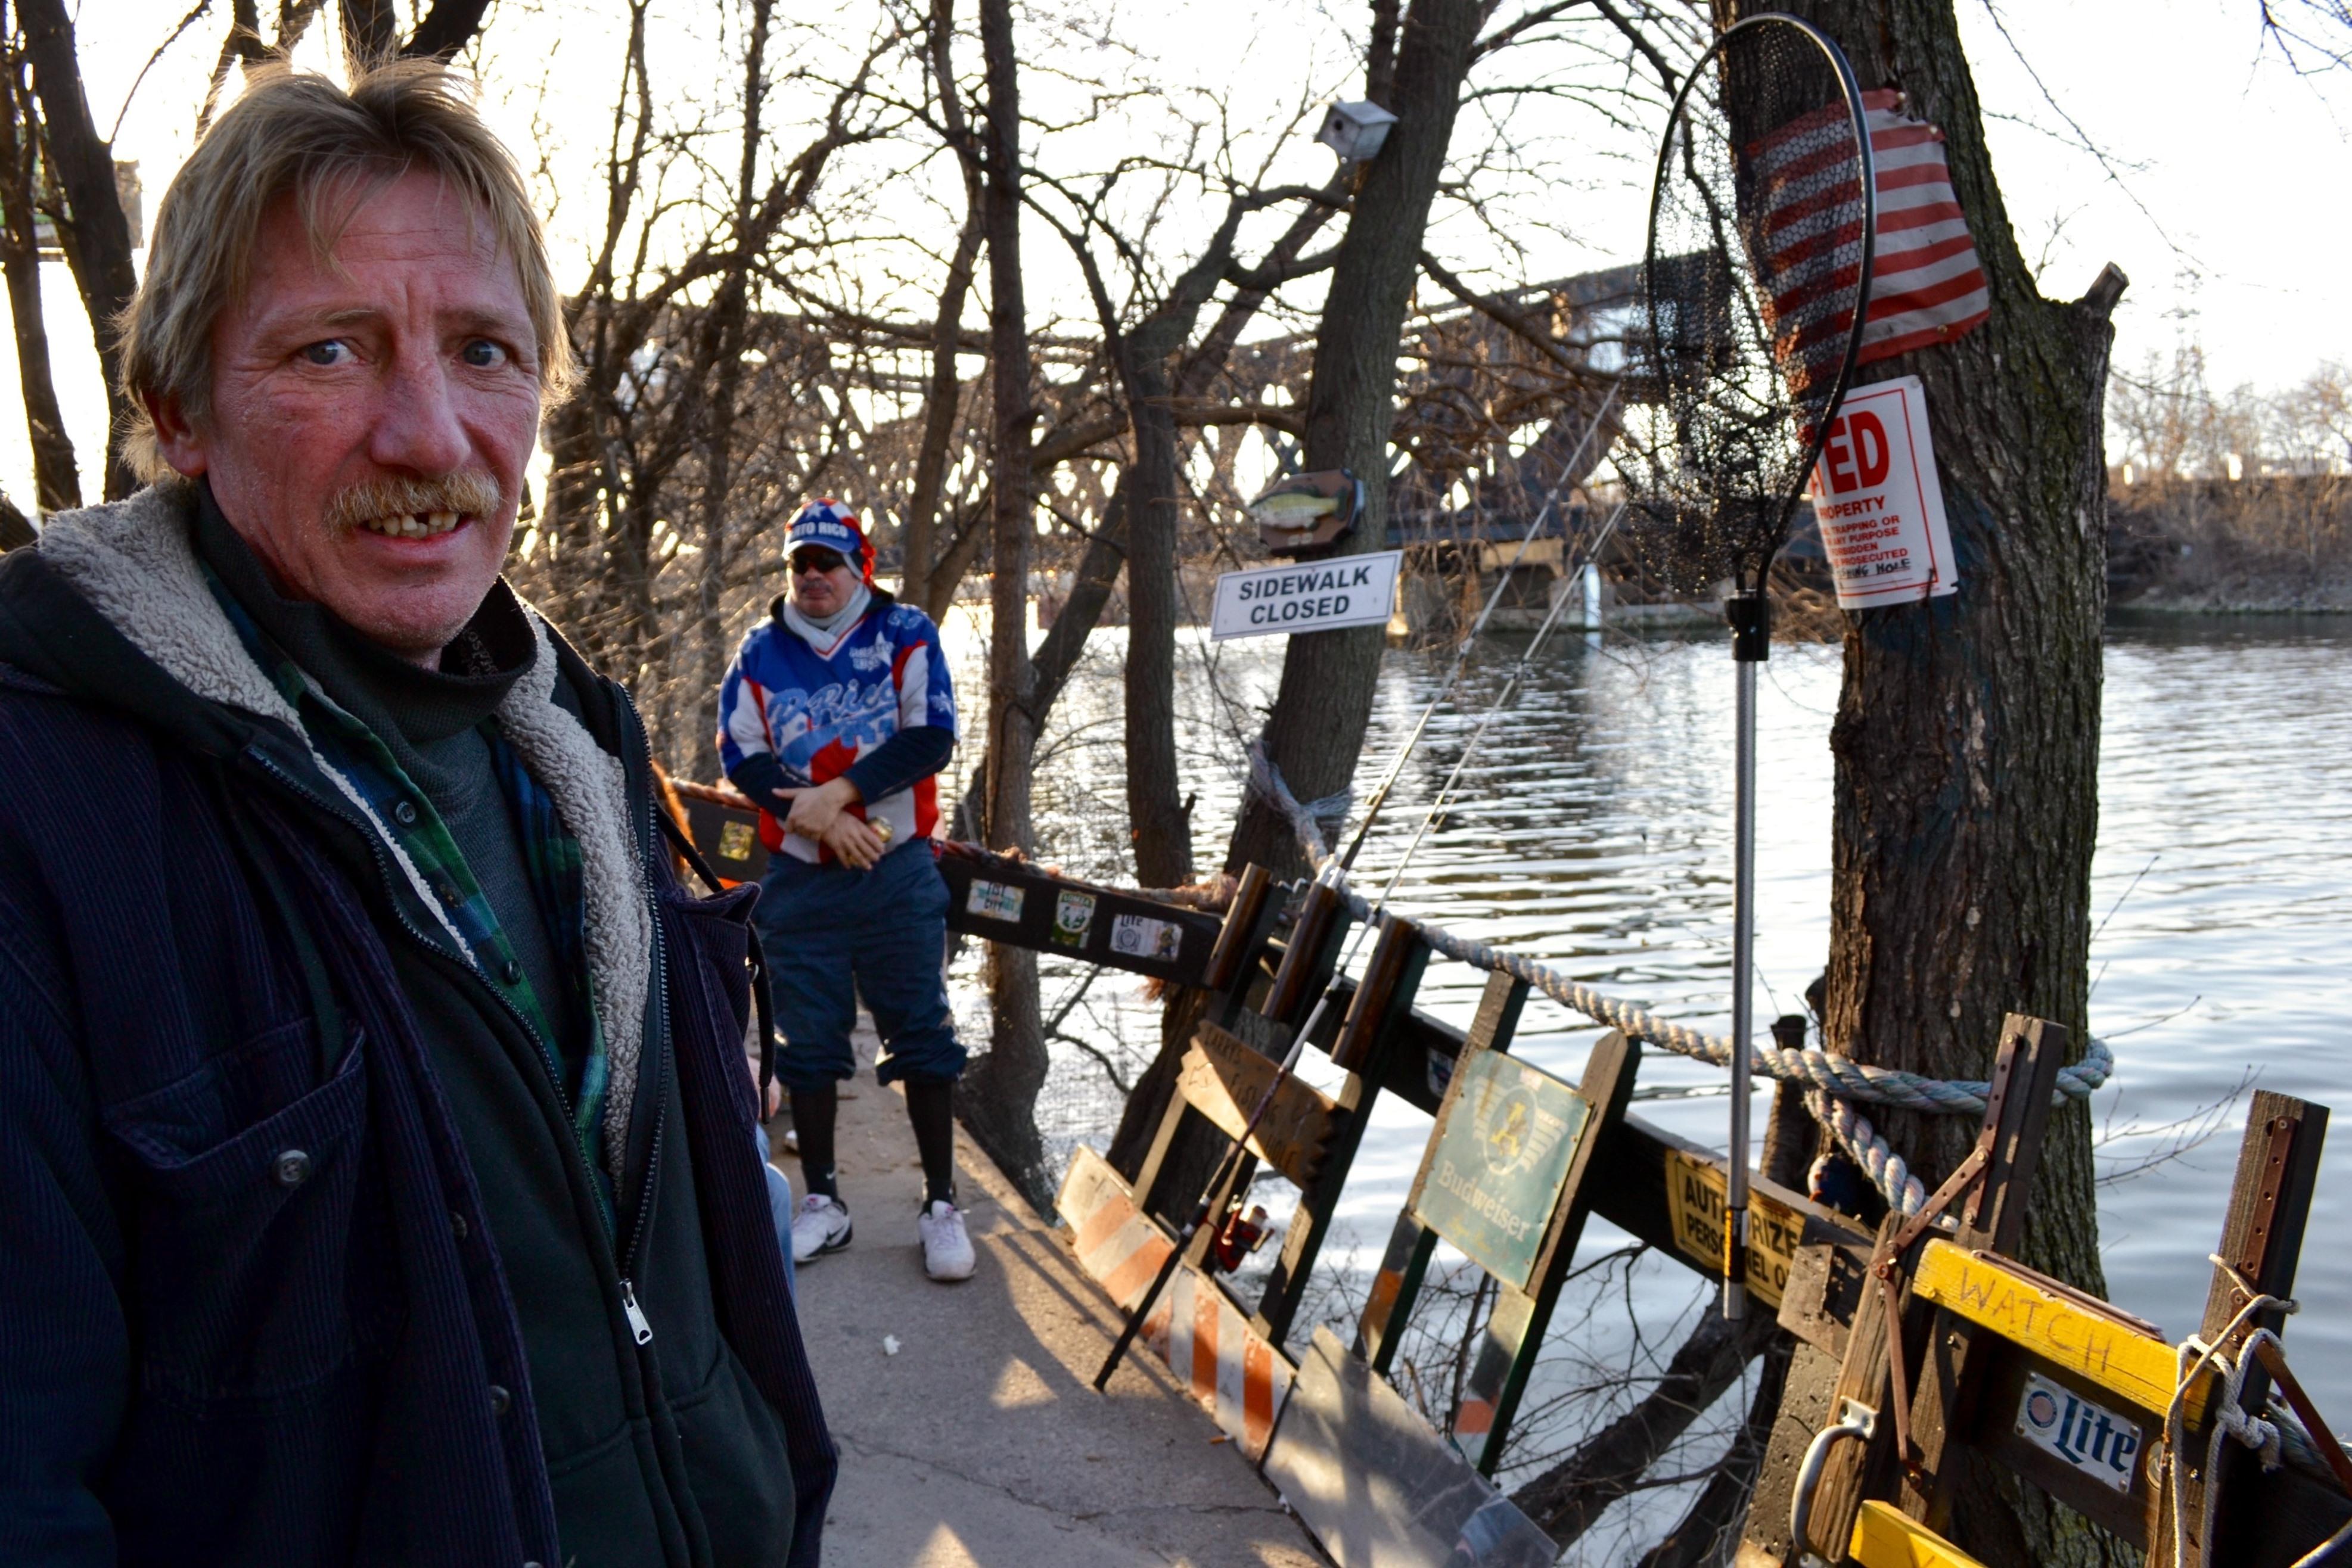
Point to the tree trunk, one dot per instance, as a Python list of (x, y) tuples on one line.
[(57, 480), (1966, 740), (729, 312), (101, 236), (1325, 702), (923, 579), (1001, 1092), (1160, 827)]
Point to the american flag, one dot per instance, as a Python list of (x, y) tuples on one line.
[(1926, 285)]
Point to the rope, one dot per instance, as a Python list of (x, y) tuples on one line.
[(2193, 1356), (1833, 1082)]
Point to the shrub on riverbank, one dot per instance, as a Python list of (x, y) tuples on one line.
[(2275, 542)]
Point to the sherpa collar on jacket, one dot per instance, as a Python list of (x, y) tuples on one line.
[(135, 562)]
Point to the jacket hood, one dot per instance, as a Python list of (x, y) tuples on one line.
[(113, 609)]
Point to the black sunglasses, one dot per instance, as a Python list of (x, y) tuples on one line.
[(816, 561)]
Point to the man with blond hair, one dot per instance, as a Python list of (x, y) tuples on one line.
[(376, 1171)]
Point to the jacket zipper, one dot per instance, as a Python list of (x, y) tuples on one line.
[(657, 995), (639, 1327)]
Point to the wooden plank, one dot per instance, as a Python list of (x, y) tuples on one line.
[(1883, 1538), (1862, 1378), (2261, 1238), (2276, 1519), (2067, 1331), (1012, 901), (2106, 1440), (1397, 965), (1517, 1329), (1396, 1284), (1826, 1285), (1804, 1410), (1377, 1487), (1224, 1080), (1310, 957), (1992, 1219)]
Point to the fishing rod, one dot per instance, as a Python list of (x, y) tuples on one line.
[(1461, 655), (1493, 710), (1333, 874)]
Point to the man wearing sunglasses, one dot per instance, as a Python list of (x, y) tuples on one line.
[(836, 717)]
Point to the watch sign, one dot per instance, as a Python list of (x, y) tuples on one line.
[(1876, 497)]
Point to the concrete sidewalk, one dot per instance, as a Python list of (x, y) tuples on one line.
[(980, 1443)]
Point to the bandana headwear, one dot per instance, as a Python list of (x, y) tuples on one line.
[(826, 521)]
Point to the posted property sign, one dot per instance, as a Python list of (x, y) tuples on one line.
[(1504, 1141), (1307, 596), (1876, 497)]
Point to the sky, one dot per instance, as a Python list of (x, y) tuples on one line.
[(2213, 185)]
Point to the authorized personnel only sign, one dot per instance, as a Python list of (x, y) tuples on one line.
[(1307, 596), (1876, 496)]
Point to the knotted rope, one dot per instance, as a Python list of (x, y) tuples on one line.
[(1832, 1083), (2194, 1356)]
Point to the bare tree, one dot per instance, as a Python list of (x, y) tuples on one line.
[(56, 480), (1966, 740), (91, 226), (1001, 1090), (1317, 729)]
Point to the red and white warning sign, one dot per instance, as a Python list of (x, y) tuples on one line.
[(1878, 502)]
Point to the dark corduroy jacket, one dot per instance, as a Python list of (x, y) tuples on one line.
[(250, 1311)]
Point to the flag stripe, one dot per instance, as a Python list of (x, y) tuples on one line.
[(1926, 283)]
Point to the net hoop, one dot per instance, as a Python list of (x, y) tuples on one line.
[(1851, 91)]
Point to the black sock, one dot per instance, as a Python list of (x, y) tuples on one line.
[(931, 1106), (813, 1113)]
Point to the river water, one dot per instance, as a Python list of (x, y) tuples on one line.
[(1593, 831)]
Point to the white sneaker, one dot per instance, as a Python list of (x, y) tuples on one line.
[(947, 1251), (821, 1227)]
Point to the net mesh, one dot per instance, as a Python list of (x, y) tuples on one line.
[(1755, 275)]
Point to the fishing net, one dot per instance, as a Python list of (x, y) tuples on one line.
[(1760, 228)]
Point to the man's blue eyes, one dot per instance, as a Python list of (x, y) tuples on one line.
[(480, 353)]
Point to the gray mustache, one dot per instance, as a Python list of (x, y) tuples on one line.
[(469, 495)]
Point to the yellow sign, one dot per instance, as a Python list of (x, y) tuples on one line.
[(1883, 1538), (1696, 1190), (2116, 1356)]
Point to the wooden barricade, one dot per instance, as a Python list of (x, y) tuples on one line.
[(1503, 1180), (1506, 1178), (1232, 1356), (1308, 1137), (998, 897), (1961, 1363)]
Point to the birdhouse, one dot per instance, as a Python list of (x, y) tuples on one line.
[(1355, 130), (1307, 510)]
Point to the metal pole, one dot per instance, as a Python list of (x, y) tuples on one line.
[(1748, 649)]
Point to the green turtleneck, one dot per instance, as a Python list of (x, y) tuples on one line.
[(431, 720)]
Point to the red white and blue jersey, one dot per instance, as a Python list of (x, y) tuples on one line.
[(818, 713)]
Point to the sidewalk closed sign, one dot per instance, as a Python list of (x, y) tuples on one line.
[(1307, 596), (1876, 497)]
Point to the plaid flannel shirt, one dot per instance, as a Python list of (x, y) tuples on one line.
[(550, 854)]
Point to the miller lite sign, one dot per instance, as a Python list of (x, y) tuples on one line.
[(2089, 1437)]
